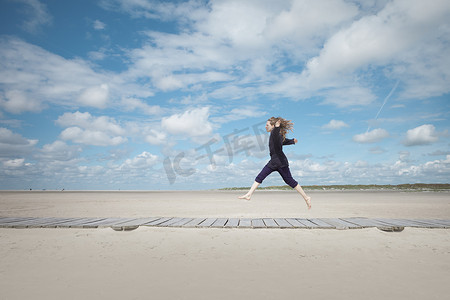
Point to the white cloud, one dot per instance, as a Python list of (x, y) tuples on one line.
[(363, 172), (377, 150), (87, 121), (28, 84), (132, 104), (89, 130), (96, 96), (335, 125), (13, 144), (375, 39), (99, 25), (98, 55), (152, 9), (14, 163), (348, 96), (225, 38), (37, 14), (8, 137), (58, 80), (306, 24), (244, 112), (17, 102), (431, 171), (193, 123), (373, 136), (421, 135), (91, 137), (58, 151), (173, 82), (156, 137), (144, 160), (412, 35), (339, 38)]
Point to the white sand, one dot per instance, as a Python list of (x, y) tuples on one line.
[(225, 204), (182, 263)]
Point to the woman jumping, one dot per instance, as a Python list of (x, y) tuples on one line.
[(278, 127)]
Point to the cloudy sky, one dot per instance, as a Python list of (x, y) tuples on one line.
[(149, 95)]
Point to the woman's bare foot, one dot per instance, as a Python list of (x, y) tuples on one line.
[(308, 202), (246, 197)]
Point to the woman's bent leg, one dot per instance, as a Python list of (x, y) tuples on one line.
[(306, 197), (250, 192), (287, 177), (259, 179), (266, 171)]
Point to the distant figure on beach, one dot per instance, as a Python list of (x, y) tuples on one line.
[(278, 127)]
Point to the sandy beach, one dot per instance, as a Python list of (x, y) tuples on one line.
[(190, 263)]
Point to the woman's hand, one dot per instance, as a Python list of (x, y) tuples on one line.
[(295, 141), (278, 123)]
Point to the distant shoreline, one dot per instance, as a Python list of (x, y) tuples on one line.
[(416, 187), (435, 187)]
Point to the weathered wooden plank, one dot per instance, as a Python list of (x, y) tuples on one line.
[(181, 222), (381, 224), (207, 222), (170, 222), (109, 222), (283, 223), (295, 223), (393, 222), (17, 221), (34, 222), (78, 223), (417, 223), (321, 224), (403, 222), (258, 223), (232, 223), (363, 222), (406, 223), (350, 224), (136, 222), (30, 221), (446, 223), (270, 223), (442, 222), (89, 223), (43, 223), (245, 223), (425, 224), (219, 223), (157, 222), (49, 222), (307, 223), (194, 222), (387, 225), (339, 224), (4, 220), (7, 220), (59, 221)]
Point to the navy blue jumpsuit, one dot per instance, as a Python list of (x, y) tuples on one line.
[(278, 161)]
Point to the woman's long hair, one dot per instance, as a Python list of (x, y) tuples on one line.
[(285, 125)]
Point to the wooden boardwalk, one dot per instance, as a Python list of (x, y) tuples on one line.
[(256, 223)]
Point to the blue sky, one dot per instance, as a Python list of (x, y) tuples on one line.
[(149, 95)]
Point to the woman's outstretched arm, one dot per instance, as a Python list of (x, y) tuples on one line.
[(289, 141)]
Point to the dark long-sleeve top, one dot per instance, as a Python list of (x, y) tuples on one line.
[(277, 157)]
